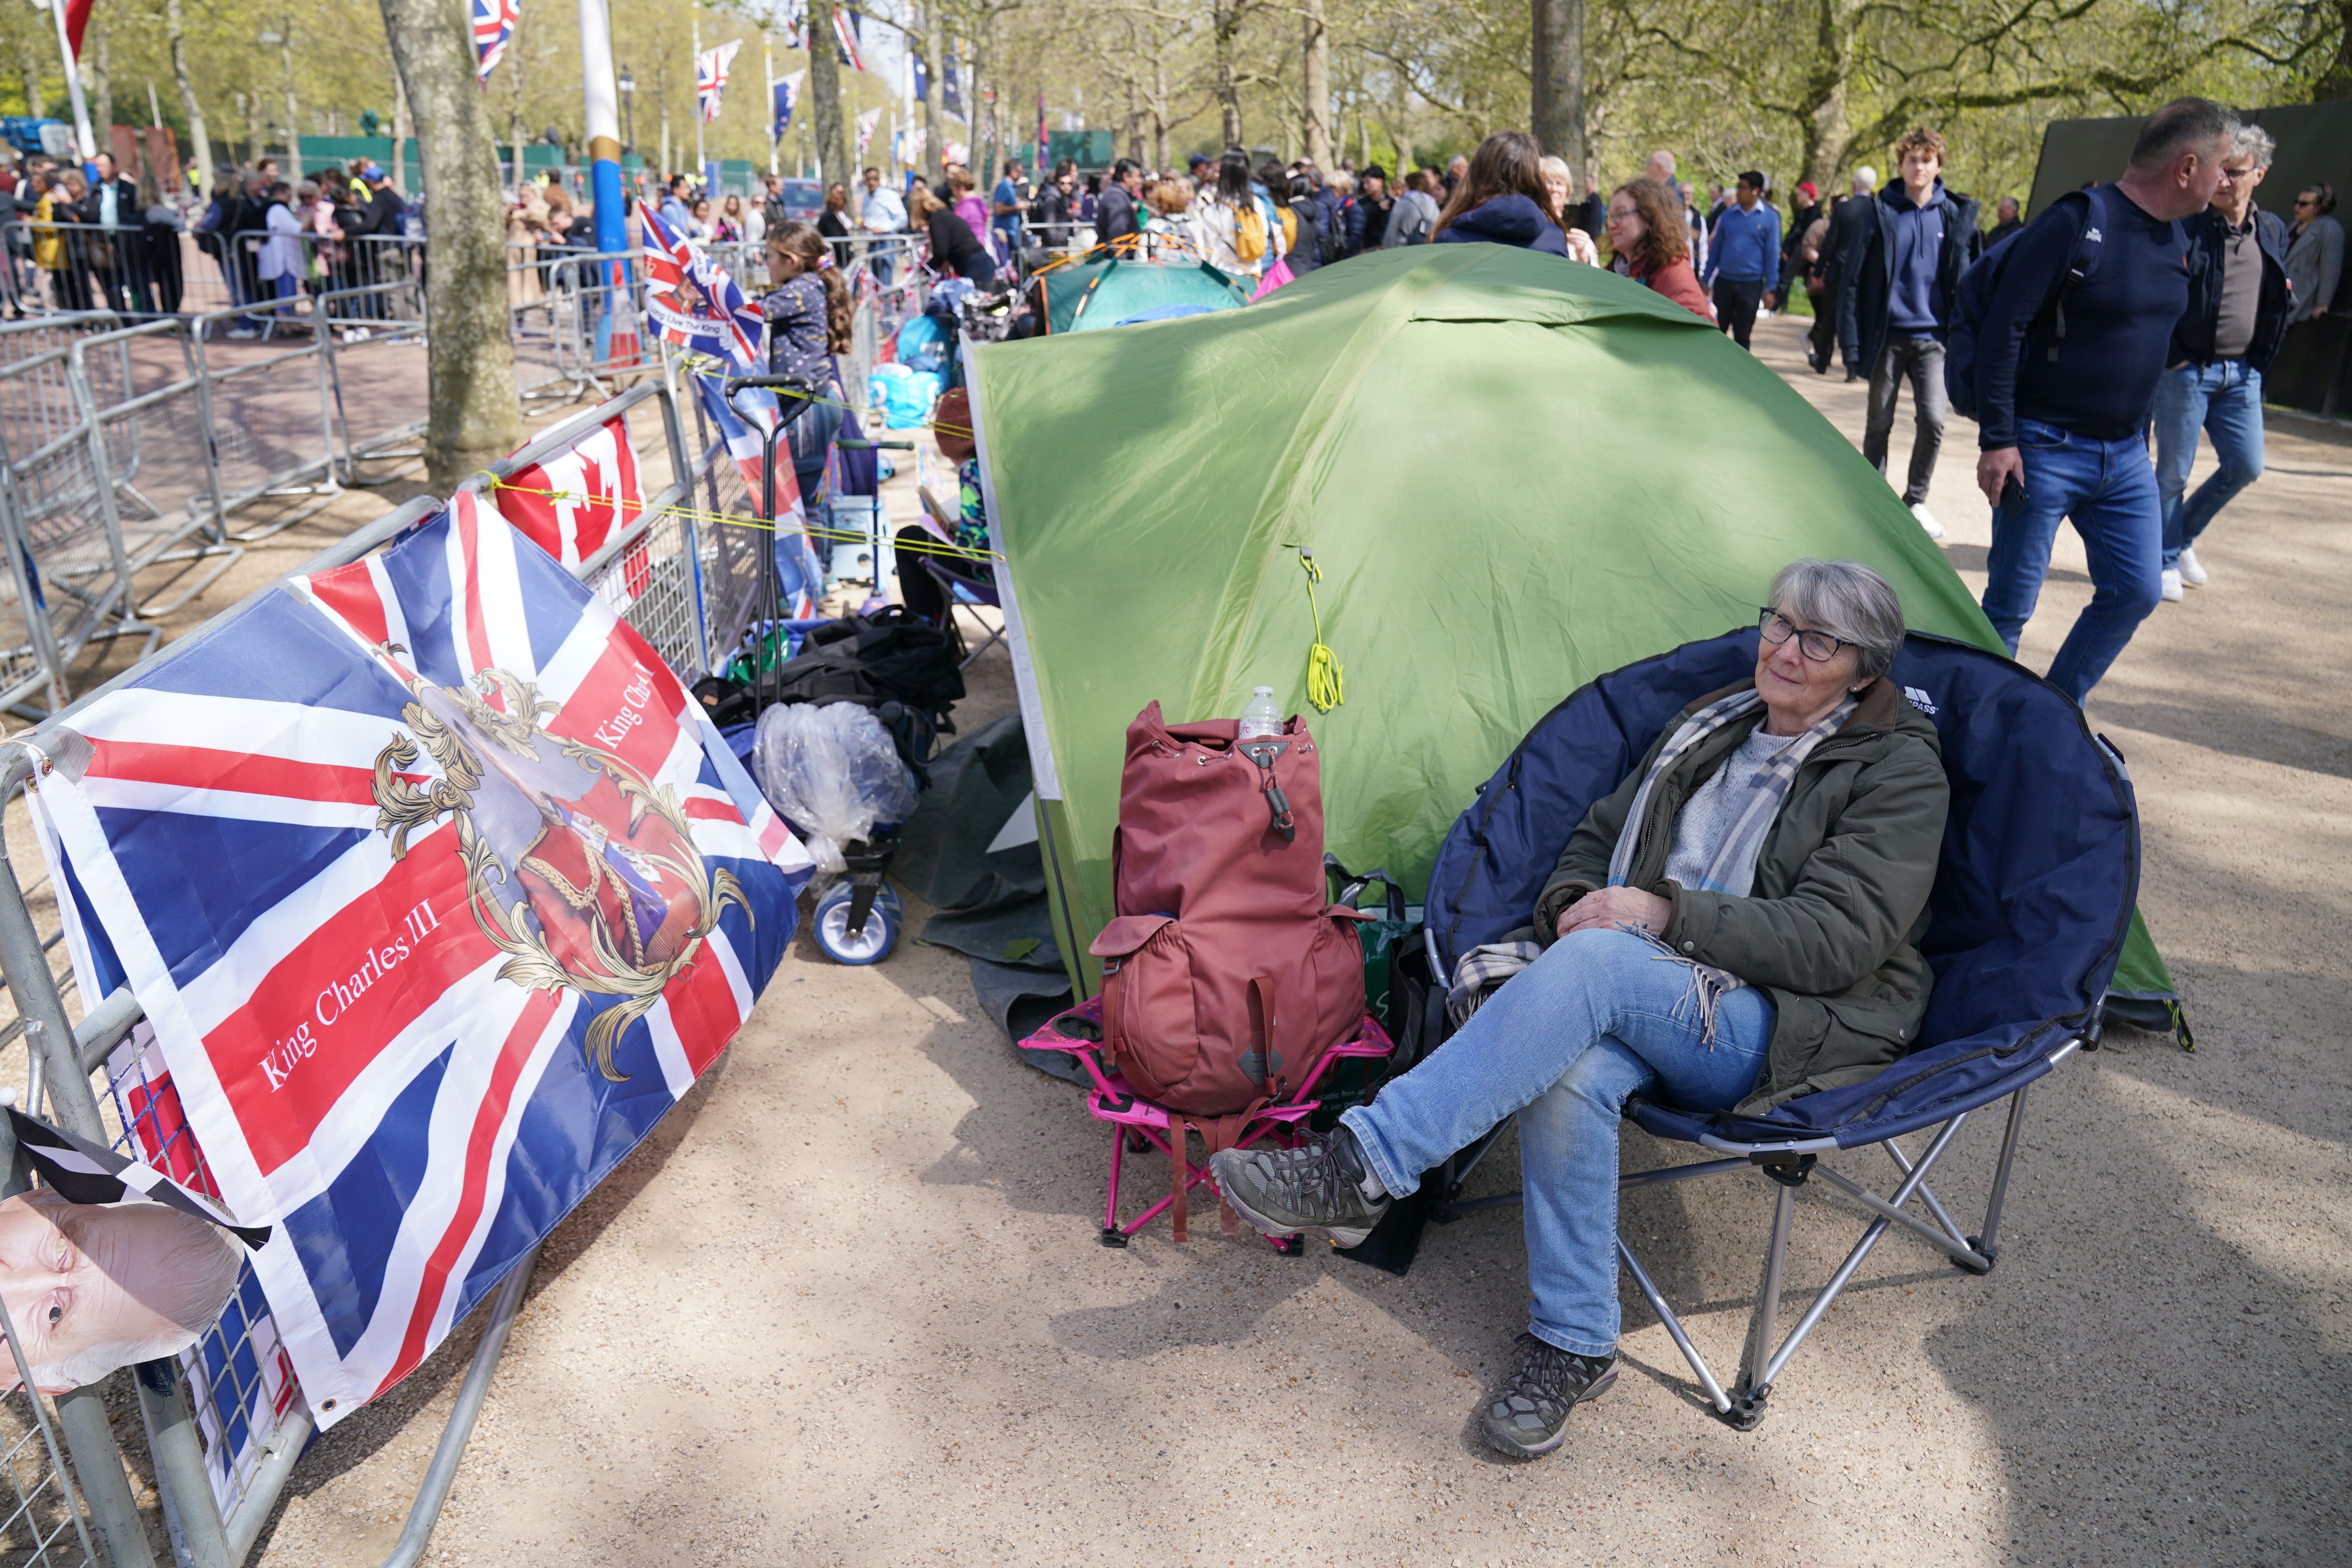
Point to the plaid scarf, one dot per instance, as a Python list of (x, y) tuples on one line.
[(1484, 969), (1769, 787)]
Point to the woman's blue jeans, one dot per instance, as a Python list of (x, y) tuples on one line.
[(1602, 1016)]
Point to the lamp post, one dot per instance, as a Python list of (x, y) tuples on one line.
[(628, 86), (284, 42)]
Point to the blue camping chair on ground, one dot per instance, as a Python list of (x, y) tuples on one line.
[(2033, 898)]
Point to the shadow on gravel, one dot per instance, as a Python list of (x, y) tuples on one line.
[(2189, 1406)]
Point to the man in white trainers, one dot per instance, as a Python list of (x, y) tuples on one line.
[(2238, 303), (1899, 282)]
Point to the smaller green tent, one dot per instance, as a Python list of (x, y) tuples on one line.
[(1101, 290)]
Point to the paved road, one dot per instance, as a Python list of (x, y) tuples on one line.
[(847, 1306)]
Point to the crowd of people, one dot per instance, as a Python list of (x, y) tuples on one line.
[(116, 243)]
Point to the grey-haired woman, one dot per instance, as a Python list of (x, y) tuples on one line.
[(1736, 924)]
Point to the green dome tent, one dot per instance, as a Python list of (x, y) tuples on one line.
[(1515, 473), (1103, 289)]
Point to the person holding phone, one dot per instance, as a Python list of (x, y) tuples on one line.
[(2060, 418)]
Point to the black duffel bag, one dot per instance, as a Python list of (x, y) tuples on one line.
[(887, 656)]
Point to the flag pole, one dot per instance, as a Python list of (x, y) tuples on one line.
[(768, 63), (602, 118), (702, 159), (82, 137)]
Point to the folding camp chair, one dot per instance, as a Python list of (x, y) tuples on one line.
[(1137, 1125), (2033, 898), (958, 583)]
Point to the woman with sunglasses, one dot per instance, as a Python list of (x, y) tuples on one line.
[(1736, 924), (2314, 253)]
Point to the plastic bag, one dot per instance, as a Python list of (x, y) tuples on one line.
[(923, 344), (905, 397), (831, 773)]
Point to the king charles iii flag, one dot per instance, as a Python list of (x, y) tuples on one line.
[(438, 892)]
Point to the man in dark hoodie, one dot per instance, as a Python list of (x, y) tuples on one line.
[(1501, 198), (1898, 283)]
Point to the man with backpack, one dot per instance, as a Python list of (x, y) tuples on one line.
[(2062, 333), (1907, 249), (2239, 301)]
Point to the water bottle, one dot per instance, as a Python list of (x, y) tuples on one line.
[(1263, 716)]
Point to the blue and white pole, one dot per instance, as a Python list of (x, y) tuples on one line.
[(603, 116)]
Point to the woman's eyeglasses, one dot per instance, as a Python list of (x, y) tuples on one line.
[(1819, 646)]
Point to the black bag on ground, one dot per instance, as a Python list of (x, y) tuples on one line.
[(887, 657)]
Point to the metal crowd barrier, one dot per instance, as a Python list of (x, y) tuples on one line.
[(225, 1425), (139, 269)]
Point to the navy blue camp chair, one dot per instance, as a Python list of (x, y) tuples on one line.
[(2034, 896)]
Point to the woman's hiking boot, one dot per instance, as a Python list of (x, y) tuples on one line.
[(1320, 1187), (1528, 1416)]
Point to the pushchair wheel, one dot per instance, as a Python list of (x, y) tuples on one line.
[(870, 945)]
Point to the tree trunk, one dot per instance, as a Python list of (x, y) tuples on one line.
[(175, 27), (825, 97), (99, 77), (36, 103), (934, 53), (2334, 83), (1224, 24), (471, 416), (1315, 125), (1822, 121), (1557, 102)]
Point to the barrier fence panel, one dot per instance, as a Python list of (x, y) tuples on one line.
[(155, 431), (44, 1525), (225, 1422), (267, 410), (377, 388)]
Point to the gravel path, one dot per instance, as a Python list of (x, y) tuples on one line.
[(847, 1305)]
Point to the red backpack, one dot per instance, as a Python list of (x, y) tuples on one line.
[(1228, 974)]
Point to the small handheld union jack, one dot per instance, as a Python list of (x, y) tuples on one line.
[(691, 300), (494, 26)]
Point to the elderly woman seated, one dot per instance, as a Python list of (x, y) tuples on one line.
[(1736, 924)]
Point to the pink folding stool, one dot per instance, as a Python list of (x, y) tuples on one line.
[(1136, 1124)]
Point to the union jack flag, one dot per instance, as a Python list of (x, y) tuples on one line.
[(710, 76), (743, 422), (438, 891), (494, 26), (691, 300), (845, 33)]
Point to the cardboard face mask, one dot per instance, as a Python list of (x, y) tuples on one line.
[(91, 1289)]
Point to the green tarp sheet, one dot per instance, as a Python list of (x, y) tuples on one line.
[(1515, 473)]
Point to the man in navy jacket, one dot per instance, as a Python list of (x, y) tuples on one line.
[(2239, 301), (1906, 249), (2060, 419)]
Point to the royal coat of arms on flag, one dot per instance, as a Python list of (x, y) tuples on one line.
[(438, 891)]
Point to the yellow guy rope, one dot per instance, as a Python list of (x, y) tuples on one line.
[(735, 519), (1323, 671)]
